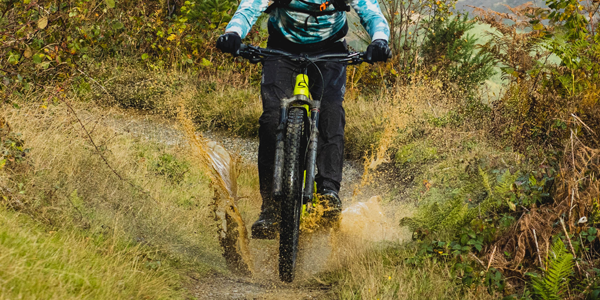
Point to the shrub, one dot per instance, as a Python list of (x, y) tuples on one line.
[(545, 102), (449, 53), (51, 40)]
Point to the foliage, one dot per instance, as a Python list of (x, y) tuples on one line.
[(448, 52), (553, 285), (407, 26), (577, 44), (446, 217), (211, 13), (460, 226), (544, 101), (52, 40), (419, 32)]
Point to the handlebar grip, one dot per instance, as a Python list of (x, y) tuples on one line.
[(243, 47)]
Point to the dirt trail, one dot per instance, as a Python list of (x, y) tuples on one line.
[(365, 220)]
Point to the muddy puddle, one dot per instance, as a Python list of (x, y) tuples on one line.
[(254, 263)]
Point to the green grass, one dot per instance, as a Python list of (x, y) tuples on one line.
[(36, 263)]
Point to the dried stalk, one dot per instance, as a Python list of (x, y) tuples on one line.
[(570, 244), (537, 247), (491, 259), (479, 260)]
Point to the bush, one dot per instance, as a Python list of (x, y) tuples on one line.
[(52, 40), (449, 53), (544, 101)]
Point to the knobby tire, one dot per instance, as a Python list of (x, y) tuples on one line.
[(291, 202)]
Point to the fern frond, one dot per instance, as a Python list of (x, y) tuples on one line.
[(485, 179), (506, 182), (556, 280)]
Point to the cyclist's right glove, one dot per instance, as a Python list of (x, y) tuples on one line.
[(377, 51), (229, 42)]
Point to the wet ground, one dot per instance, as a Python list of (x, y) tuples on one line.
[(366, 220)]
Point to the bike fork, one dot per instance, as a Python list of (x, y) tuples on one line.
[(279, 153), (300, 98), (311, 155)]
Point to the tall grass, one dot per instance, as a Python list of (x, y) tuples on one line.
[(382, 273), (123, 206), (39, 264)]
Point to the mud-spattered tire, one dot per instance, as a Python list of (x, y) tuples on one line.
[(291, 201)]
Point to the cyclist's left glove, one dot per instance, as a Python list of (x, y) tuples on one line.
[(378, 51), (229, 42)]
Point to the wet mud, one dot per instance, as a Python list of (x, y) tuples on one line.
[(366, 221)]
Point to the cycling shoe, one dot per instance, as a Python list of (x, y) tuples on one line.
[(266, 227), (331, 203)]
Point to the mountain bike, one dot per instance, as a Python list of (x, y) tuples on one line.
[(296, 149)]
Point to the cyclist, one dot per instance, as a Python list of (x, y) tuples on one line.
[(311, 27)]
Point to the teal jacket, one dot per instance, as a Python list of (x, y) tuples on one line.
[(301, 28)]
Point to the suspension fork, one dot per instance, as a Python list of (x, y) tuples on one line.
[(279, 153), (311, 155), (301, 99)]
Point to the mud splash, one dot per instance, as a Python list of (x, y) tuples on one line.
[(362, 226), (366, 221), (223, 171), (323, 245)]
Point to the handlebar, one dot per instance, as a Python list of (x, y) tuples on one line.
[(257, 54)]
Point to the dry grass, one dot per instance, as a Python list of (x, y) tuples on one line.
[(213, 102), (381, 273), (226, 99)]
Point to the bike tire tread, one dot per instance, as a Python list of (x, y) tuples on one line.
[(291, 202)]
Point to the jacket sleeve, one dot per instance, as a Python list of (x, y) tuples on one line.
[(372, 18), (246, 15)]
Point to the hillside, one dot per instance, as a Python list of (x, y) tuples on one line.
[(128, 157)]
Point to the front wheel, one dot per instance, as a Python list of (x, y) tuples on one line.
[(291, 200)]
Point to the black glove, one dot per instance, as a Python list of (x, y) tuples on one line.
[(377, 51), (229, 42)]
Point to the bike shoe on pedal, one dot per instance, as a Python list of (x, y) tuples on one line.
[(331, 203), (267, 225)]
